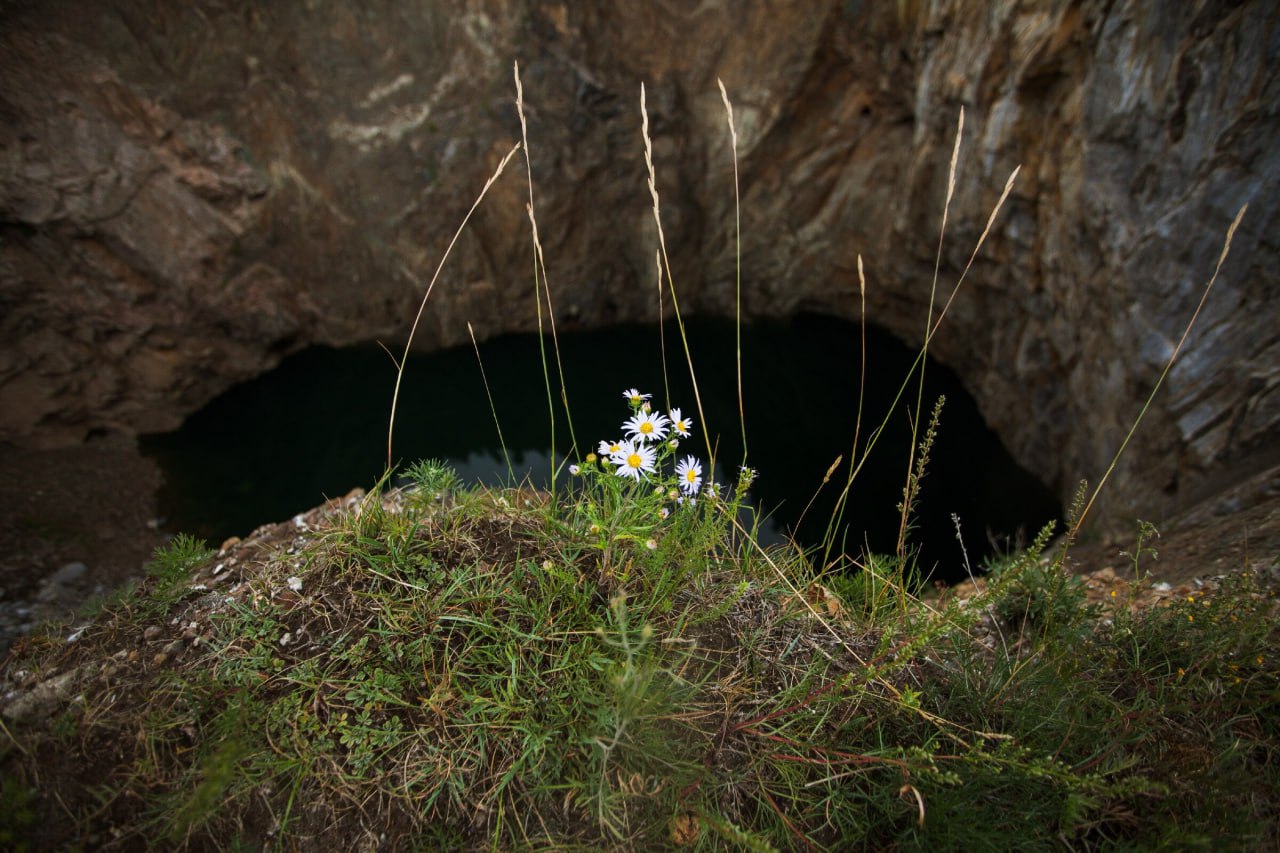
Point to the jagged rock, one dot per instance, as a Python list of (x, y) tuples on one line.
[(191, 191)]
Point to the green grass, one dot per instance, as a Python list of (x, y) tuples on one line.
[(475, 668), (602, 666)]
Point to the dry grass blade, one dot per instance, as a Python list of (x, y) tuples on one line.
[(395, 395), (1226, 248), (543, 290), (907, 497), (666, 267), (737, 242)]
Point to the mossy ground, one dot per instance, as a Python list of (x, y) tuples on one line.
[(452, 668)]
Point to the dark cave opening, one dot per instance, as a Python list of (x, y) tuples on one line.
[(316, 426)]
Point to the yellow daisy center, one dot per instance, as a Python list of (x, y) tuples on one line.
[(646, 427), (635, 460), (691, 475)]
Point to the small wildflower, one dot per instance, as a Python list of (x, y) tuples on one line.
[(592, 458), (634, 397), (633, 460), (681, 425), (673, 443), (610, 448), (645, 407), (1191, 617), (664, 512), (673, 494), (646, 426), (574, 470), (651, 544), (689, 471)]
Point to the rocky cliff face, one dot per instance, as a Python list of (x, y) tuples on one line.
[(191, 191)]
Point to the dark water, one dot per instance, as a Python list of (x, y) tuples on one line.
[(316, 427)]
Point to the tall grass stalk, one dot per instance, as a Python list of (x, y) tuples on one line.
[(395, 395), (666, 268), (918, 363), (541, 290), (837, 511), (737, 263), (908, 498), (1226, 248)]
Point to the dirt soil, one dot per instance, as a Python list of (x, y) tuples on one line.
[(93, 505), (1237, 528)]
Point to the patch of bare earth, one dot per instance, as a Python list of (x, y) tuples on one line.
[(1237, 529), (76, 522)]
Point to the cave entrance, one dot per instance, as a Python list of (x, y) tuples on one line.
[(316, 426)]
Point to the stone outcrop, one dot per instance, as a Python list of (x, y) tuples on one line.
[(191, 191)]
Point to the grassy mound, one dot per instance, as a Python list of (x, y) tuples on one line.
[(447, 668)]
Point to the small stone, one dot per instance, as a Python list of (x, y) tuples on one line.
[(70, 573), (151, 632)]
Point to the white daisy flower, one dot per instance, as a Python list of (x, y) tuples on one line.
[(681, 425), (646, 426), (609, 448), (634, 397), (574, 469), (634, 460), (689, 472)]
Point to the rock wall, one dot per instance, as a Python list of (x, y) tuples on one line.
[(191, 191)]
